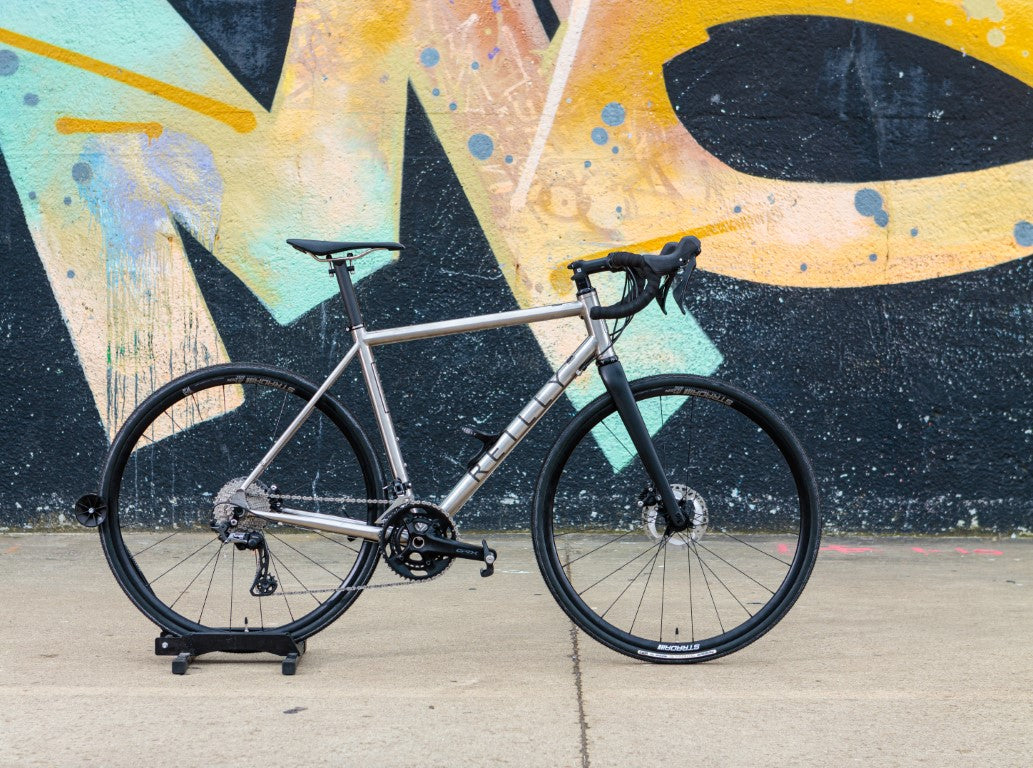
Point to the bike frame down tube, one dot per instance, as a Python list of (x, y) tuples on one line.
[(597, 344)]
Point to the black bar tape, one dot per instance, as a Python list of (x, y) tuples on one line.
[(621, 259), (628, 308)]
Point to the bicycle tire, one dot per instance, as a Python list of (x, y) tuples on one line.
[(161, 482), (741, 474)]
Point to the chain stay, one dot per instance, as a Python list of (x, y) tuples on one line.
[(347, 500)]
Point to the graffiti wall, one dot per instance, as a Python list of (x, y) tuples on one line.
[(859, 171)]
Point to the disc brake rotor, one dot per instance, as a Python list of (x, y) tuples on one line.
[(692, 503)]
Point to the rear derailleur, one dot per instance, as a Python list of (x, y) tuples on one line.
[(265, 583)]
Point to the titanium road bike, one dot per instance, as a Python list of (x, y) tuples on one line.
[(675, 519)]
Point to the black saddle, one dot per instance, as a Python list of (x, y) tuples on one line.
[(330, 247)]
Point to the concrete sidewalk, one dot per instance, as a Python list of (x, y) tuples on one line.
[(900, 652)]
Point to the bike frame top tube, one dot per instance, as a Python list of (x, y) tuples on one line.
[(595, 344), (476, 323), (364, 340)]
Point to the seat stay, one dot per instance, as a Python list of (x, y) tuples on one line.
[(295, 425)]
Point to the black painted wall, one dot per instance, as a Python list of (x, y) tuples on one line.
[(913, 399)]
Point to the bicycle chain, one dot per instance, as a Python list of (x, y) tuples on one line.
[(335, 499), (350, 500)]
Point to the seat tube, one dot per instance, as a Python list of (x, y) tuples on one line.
[(381, 411)]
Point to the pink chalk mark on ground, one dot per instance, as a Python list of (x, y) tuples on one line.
[(959, 550), (846, 550), (784, 549)]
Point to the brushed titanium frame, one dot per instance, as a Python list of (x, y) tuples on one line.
[(596, 345)]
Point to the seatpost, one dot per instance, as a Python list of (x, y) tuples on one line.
[(341, 270)]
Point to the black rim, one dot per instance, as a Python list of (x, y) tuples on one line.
[(305, 621), (591, 618)]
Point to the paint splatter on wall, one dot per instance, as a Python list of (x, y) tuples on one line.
[(133, 138)]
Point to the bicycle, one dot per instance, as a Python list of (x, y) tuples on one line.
[(675, 518)]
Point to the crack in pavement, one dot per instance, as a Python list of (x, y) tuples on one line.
[(582, 722)]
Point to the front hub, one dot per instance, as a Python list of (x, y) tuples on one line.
[(657, 526)]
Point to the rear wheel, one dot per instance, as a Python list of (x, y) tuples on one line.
[(171, 471), (633, 582)]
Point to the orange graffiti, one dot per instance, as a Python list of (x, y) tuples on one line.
[(81, 125), (240, 120)]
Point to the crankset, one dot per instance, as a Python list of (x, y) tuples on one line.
[(419, 542)]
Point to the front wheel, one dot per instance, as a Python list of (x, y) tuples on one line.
[(633, 582), (168, 480)]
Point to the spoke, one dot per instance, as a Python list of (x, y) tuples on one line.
[(279, 581), (335, 541), (203, 567), (604, 544), (707, 582), (227, 466), (630, 582), (692, 617), (295, 549), (705, 549), (210, 581), (261, 613), (689, 440), (307, 486), (667, 470), (287, 568), (604, 578), (233, 571), (746, 543), (155, 444), (151, 546), (663, 592), (719, 581), (276, 426), (206, 544), (632, 455), (645, 588), (207, 472)]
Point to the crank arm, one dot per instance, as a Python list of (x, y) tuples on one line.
[(437, 545)]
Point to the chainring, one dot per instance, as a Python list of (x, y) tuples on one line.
[(402, 536)]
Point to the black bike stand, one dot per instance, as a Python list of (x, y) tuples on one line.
[(186, 647)]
